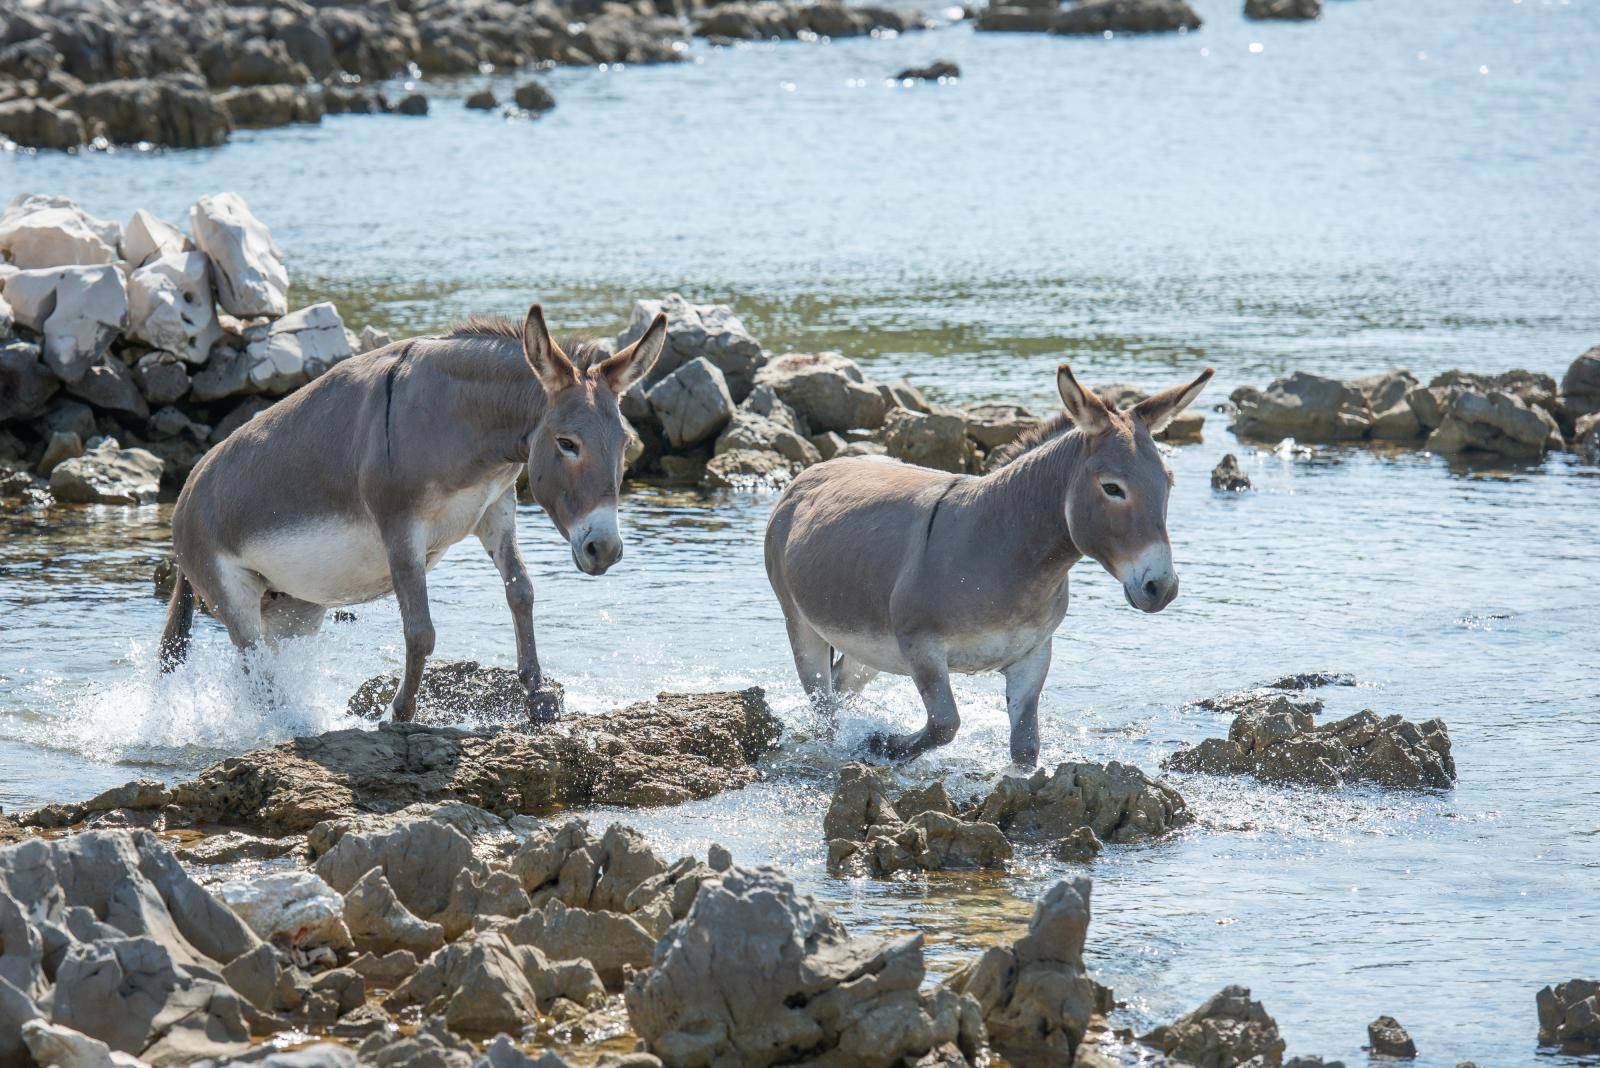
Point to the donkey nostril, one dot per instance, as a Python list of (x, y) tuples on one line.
[(1151, 590), (592, 550)]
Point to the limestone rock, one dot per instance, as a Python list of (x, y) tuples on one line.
[(1494, 422), (26, 384), (867, 835), (62, 1047), (147, 237), (1569, 1016), (757, 433), (939, 70), (1229, 1030), (79, 310), (611, 941), (379, 924), (247, 264), (937, 440), (260, 106), (1303, 406), (419, 859), (171, 305), (995, 425), (63, 445), (474, 895), (1119, 802), (290, 908), (828, 390), (298, 347), (711, 332), (431, 1046), (692, 403), (55, 232), (1186, 427), (108, 474)]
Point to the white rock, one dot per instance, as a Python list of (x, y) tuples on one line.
[(79, 310), (171, 306), (298, 347), (250, 276), (147, 236), (297, 907), (62, 1047), (108, 474), (7, 318), (38, 231)]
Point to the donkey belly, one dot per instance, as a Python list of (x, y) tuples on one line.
[(332, 561)]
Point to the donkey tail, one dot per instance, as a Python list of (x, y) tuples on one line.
[(180, 619)]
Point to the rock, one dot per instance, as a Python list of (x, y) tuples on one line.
[(147, 237), (1279, 741), (63, 445), (1117, 801), (1303, 406), (482, 100), (1397, 423), (225, 374), (496, 893), (1569, 1016), (757, 433), (1586, 438), (1228, 1030), (939, 70), (1228, 475), (1016, 18), (161, 379), (55, 232), (937, 440), (1079, 847), (232, 847), (756, 970), (480, 985), (1282, 9), (1125, 16), (1386, 1038), (860, 801), (610, 941), (693, 403), (826, 389), (298, 347), (867, 833), (247, 265), (534, 97), (108, 474), (170, 305), (290, 908), (1035, 996), (380, 924), (698, 331), (1496, 422), (745, 469), (1580, 386), (40, 124), (418, 858), (995, 425), (263, 106), (413, 104), (26, 384), (458, 691), (109, 386), (62, 1047), (174, 112), (372, 339), (260, 977), (431, 1046), (79, 310), (389, 970)]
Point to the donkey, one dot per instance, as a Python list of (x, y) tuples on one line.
[(355, 486), (917, 572)]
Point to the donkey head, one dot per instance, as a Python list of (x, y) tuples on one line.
[(1117, 502), (575, 454)]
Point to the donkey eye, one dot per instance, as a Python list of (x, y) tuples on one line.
[(1113, 491), (567, 445)]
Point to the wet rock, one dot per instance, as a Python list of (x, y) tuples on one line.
[(289, 908), (175, 112), (1280, 742), (297, 348), (937, 440), (63, 445), (458, 691), (26, 384), (171, 306), (1494, 422), (79, 310), (1036, 996), (247, 264), (379, 924), (862, 800), (263, 106), (534, 97), (995, 425), (748, 469), (431, 1046), (1580, 386), (711, 332), (826, 389), (1569, 1016), (1228, 1030), (413, 104), (867, 835), (482, 100), (755, 433), (1386, 1038), (692, 403), (1303, 406), (1119, 802), (1586, 438), (108, 474), (662, 752), (1283, 9), (233, 847), (756, 971), (38, 232), (1125, 16), (40, 124), (938, 70), (1229, 476), (1079, 847)]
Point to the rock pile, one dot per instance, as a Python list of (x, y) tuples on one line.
[(763, 20), (1117, 802), (1569, 1016), (1275, 738), (1091, 17), (867, 835), (1517, 414), (1228, 1030)]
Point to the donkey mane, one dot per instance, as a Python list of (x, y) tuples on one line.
[(1039, 435), (581, 350)]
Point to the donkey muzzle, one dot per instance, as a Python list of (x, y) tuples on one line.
[(1149, 583), (595, 543)]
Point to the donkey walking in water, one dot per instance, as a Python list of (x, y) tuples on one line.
[(887, 567), (357, 484)]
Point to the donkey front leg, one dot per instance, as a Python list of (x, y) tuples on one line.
[(497, 530), (1024, 681), (930, 671), (408, 571)]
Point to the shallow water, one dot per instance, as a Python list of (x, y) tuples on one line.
[(1354, 196)]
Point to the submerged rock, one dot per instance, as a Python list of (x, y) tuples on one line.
[(939, 70), (758, 974), (1386, 1038), (1229, 476), (673, 749), (459, 691), (1228, 1030), (1283, 9), (1036, 996), (1119, 802), (1569, 1016), (1125, 16), (866, 834)]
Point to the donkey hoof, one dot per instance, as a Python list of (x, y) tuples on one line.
[(546, 702), (884, 746)]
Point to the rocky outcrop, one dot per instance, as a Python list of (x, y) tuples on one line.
[(710, 332), (758, 974), (1229, 1030), (1125, 16), (1569, 1016), (667, 751), (1303, 406), (175, 111), (1118, 802), (1035, 995), (763, 20), (1386, 1038), (867, 835), (1495, 422), (458, 691)]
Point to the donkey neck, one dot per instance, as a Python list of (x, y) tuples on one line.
[(1027, 501), (493, 391)]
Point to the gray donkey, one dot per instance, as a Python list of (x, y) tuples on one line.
[(917, 572), (357, 484)]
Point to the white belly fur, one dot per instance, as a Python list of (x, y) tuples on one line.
[(969, 654), (342, 561)]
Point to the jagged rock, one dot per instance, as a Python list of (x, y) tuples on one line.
[(38, 232), (1079, 847), (995, 425), (611, 941), (1386, 1038), (751, 432), (171, 305), (61, 1047), (747, 469), (1229, 476), (109, 386), (1569, 1016), (260, 977), (1119, 802), (261, 106), (147, 237), (298, 347), (496, 893), (389, 970), (1283, 9), (1494, 422), (247, 264), (1035, 996), (419, 858), (535, 98), (40, 124), (491, 836), (861, 801), (26, 384), (108, 474), (488, 982), (756, 972), (711, 332), (1125, 16), (692, 403), (1228, 1030), (828, 391), (866, 833), (430, 1046), (290, 908), (371, 338), (1303, 406), (456, 691), (175, 112), (937, 440), (380, 924), (79, 310)]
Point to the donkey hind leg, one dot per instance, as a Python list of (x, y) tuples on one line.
[(234, 594), (497, 530), (851, 675), (930, 671), (408, 571), (283, 617), (1024, 681), (813, 658)]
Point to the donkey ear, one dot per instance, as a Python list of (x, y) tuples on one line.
[(1157, 411), (634, 362), (1084, 407), (555, 372)]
